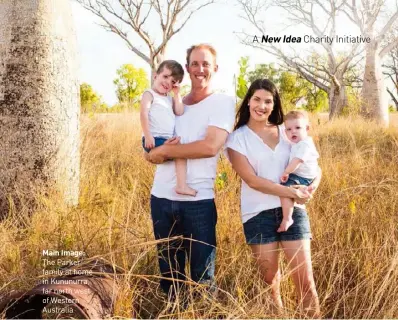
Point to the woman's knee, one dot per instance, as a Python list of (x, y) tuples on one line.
[(271, 274)]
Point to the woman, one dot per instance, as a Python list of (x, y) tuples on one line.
[(259, 152)]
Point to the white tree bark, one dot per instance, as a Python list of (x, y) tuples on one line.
[(39, 101), (367, 15), (374, 94), (320, 17)]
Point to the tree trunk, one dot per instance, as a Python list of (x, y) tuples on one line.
[(337, 99), (156, 61), (374, 99), (393, 98), (39, 102)]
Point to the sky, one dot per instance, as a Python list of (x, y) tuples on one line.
[(101, 52)]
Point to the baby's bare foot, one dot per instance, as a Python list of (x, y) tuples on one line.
[(186, 190), (285, 224)]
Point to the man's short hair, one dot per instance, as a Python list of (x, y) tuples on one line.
[(177, 71), (202, 46), (296, 114)]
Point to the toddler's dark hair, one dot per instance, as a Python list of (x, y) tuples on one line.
[(177, 71)]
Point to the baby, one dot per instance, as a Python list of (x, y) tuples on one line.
[(303, 165), (158, 111)]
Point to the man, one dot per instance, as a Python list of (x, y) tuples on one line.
[(203, 130)]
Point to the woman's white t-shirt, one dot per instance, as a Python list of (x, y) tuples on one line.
[(267, 163), (216, 110)]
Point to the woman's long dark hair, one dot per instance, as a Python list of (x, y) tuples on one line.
[(243, 114)]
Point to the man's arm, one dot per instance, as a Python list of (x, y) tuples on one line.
[(206, 148)]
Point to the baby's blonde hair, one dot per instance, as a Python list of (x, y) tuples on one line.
[(296, 114)]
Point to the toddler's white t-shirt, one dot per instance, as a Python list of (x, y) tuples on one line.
[(161, 115), (306, 151)]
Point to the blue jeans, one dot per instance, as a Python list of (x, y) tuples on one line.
[(194, 220), (262, 228)]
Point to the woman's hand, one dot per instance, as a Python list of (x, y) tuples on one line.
[(301, 194)]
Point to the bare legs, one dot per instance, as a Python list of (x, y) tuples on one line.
[(287, 210), (267, 257), (181, 172), (298, 255)]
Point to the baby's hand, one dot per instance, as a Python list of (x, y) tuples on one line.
[(149, 142), (284, 177)]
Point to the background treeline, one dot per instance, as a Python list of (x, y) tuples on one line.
[(295, 90)]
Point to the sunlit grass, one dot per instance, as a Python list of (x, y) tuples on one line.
[(354, 218)]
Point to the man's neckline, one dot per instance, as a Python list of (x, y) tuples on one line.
[(193, 104)]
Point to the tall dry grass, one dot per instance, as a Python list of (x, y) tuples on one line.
[(354, 218)]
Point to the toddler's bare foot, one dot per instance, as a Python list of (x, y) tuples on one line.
[(285, 224), (186, 190)]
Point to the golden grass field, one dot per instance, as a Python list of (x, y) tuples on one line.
[(354, 218)]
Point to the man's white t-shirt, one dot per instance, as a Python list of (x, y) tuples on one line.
[(216, 110), (306, 151), (161, 115), (267, 163)]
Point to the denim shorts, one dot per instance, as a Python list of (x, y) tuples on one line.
[(158, 142), (294, 179), (261, 229)]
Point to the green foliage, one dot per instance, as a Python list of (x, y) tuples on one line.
[(130, 84), (316, 99), (185, 89), (90, 101), (241, 81), (292, 88), (265, 71)]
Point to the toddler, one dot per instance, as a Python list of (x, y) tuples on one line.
[(303, 165), (158, 111)]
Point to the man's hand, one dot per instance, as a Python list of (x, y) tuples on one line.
[(174, 140), (159, 155), (284, 177)]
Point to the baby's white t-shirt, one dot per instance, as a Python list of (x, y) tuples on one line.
[(161, 115), (306, 151), (267, 163), (216, 110)]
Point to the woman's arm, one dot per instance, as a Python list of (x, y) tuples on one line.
[(243, 168)]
